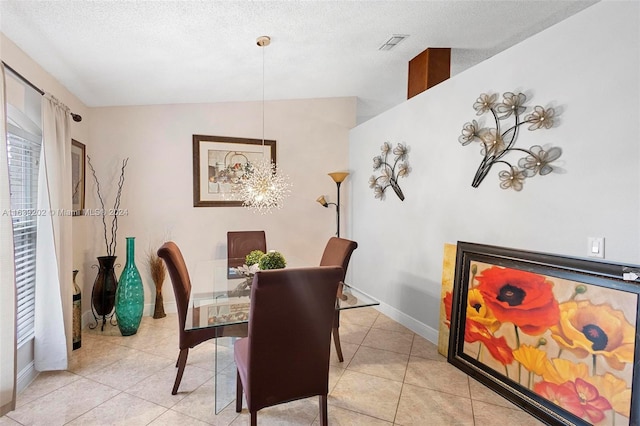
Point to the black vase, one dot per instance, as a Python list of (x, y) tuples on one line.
[(103, 294)]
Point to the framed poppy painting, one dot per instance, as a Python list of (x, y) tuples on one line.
[(555, 335)]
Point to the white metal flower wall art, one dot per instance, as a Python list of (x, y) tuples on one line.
[(496, 143), (389, 172)]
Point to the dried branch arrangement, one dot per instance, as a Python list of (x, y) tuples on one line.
[(110, 244)]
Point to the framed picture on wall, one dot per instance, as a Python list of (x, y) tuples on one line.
[(77, 176), (220, 164), (555, 335)]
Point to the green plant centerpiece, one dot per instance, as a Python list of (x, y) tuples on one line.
[(254, 257), (256, 261), (272, 260)]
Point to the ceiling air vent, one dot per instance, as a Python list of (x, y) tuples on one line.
[(393, 41)]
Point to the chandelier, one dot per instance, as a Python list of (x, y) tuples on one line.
[(264, 187)]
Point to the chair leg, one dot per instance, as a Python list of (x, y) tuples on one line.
[(254, 419), (336, 341), (180, 363), (238, 393), (324, 421)]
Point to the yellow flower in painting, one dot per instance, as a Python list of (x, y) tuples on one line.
[(585, 328), (615, 390), (531, 358), (478, 311), (559, 371)]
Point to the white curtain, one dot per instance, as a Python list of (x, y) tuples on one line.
[(7, 273), (53, 316)]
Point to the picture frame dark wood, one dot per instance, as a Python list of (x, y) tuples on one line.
[(219, 162), (78, 161), (555, 335)]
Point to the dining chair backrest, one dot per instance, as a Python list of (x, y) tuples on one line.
[(290, 322), (338, 252), (179, 275), (241, 243), (170, 253)]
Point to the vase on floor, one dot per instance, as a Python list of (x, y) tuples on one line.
[(130, 294), (158, 311), (77, 313), (103, 294)]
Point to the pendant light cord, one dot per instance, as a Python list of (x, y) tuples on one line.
[(263, 101), (263, 42)]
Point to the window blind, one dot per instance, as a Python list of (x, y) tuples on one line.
[(23, 158)]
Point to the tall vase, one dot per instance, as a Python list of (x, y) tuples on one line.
[(130, 294), (103, 294), (158, 312), (77, 313)]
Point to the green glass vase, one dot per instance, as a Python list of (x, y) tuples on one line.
[(130, 294)]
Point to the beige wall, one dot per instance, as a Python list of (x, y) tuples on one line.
[(312, 140)]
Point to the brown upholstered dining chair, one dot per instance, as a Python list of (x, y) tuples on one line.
[(240, 244), (179, 274), (286, 355), (338, 252)]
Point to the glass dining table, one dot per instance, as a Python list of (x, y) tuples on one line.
[(220, 299)]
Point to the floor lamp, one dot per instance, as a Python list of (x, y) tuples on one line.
[(338, 178)]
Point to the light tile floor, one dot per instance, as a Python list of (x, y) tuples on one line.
[(390, 376)]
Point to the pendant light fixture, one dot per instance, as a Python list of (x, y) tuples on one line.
[(265, 188)]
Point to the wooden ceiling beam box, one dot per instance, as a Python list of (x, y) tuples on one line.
[(429, 68)]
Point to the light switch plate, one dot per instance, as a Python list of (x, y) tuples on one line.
[(595, 247)]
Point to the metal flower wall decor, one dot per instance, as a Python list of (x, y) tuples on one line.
[(497, 143), (389, 173)]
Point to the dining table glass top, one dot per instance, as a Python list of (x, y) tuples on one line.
[(221, 298)]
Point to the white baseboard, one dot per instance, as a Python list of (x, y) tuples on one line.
[(25, 377), (170, 308), (411, 323)]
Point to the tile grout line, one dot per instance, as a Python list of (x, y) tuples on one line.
[(404, 378)]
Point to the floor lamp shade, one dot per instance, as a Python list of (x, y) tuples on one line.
[(338, 178)]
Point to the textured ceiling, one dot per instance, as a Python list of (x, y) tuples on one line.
[(151, 52)]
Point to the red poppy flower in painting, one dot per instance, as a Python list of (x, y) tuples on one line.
[(522, 298), (560, 395), (500, 350), (579, 397), (497, 346), (477, 331)]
